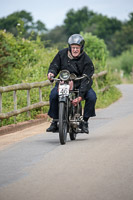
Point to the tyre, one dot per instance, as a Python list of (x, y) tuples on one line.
[(74, 111), (80, 109), (62, 122), (72, 135)]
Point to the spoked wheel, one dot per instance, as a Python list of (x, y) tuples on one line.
[(62, 123), (72, 133), (74, 111)]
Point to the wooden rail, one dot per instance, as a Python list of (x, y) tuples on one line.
[(28, 87), (99, 74), (23, 86)]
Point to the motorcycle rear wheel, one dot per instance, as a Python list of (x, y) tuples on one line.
[(62, 123), (72, 135), (72, 132)]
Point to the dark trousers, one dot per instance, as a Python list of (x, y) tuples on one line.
[(89, 109)]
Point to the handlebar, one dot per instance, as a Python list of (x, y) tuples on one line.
[(79, 78), (54, 79), (75, 79)]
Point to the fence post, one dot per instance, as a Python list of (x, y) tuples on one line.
[(40, 93), (0, 106), (95, 79), (0, 102), (28, 101), (15, 103), (40, 97)]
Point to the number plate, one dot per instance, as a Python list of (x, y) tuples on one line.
[(64, 90)]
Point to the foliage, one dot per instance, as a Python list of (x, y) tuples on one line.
[(10, 23), (127, 61), (76, 21), (22, 60), (106, 98), (55, 38), (7, 61), (121, 40), (122, 63), (96, 49), (103, 27), (130, 21)]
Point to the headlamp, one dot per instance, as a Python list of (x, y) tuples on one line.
[(64, 75)]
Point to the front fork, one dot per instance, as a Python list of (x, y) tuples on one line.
[(65, 99)]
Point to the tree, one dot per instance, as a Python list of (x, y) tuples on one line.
[(40, 27), (103, 27), (121, 40), (10, 23), (130, 21), (56, 37), (76, 21)]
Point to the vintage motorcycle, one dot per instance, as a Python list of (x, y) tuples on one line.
[(70, 116)]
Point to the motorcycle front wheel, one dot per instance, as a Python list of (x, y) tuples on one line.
[(62, 122)]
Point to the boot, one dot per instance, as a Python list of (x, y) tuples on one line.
[(53, 127), (84, 127)]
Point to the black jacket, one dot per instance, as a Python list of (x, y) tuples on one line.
[(79, 66)]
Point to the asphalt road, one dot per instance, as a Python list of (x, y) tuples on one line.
[(98, 166)]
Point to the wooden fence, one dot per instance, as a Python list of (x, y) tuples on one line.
[(28, 87)]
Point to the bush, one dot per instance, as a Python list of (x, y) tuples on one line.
[(127, 61), (106, 98), (124, 63), (97, 50), (23, 60)]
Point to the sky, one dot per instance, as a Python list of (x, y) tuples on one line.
[(53, 12)]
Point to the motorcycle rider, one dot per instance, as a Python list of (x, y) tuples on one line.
[(76, 61)]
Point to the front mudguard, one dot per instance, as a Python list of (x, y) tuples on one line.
[(63, 99)]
